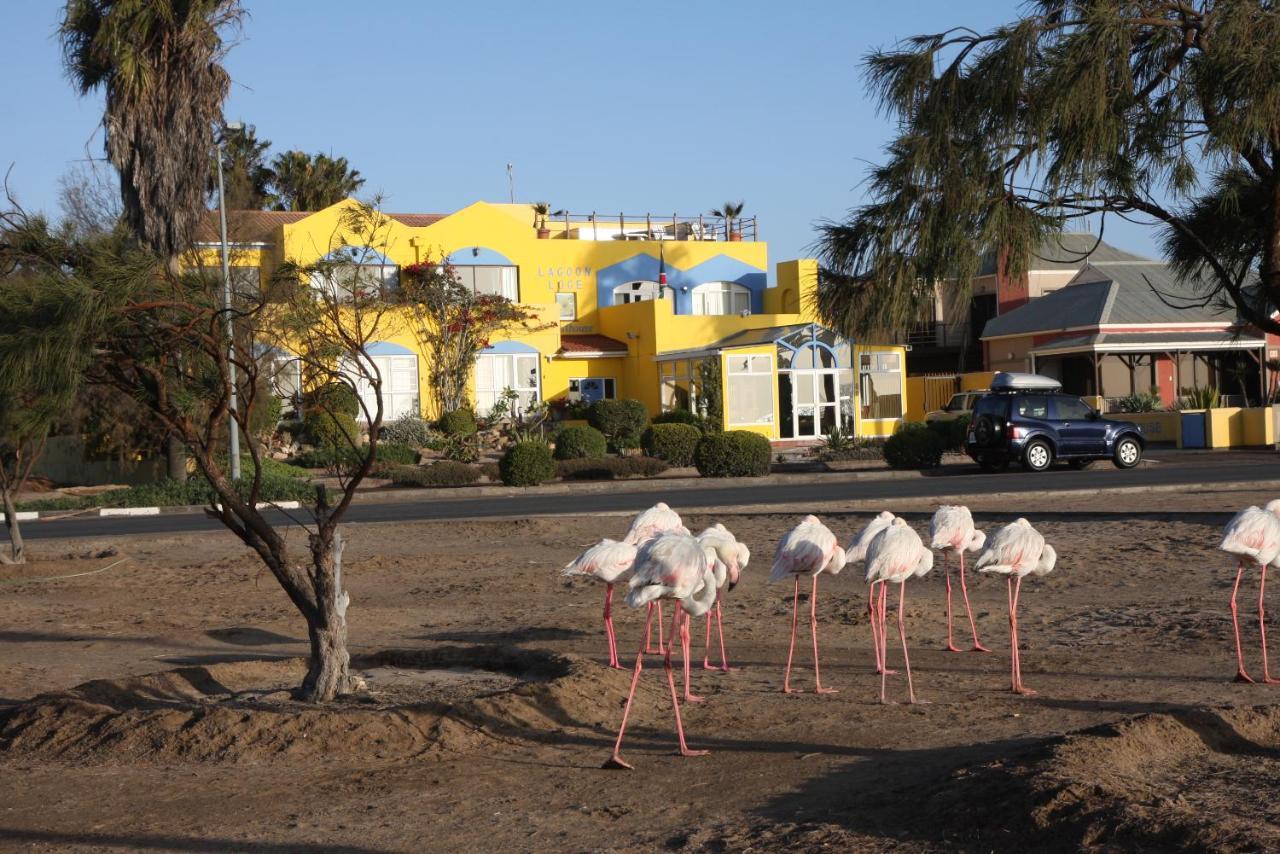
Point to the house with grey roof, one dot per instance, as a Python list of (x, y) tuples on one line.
[(1123, 324)]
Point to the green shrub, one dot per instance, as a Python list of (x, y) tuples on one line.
[(951, 433), (578, 442), (409, 429), (395, 453), (265, 416), (439, 473), (675, 442), (293, 428), (330, 459), (682, 416), (622, 421), (527, 464), (328, 430), (1143, 401), (608, 468), (490, 470), (914, 446), (337, 398), (735, 453), (459, 422), (171, 493), (461, 449)]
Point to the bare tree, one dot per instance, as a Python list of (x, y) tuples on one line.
[(89, 198)]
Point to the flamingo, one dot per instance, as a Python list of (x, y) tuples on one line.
[(608, 561), (952, 530), (1015, 551), (671, 566), (856, 552), (1253, 534), (658, 519), (731, 558), (808, 549), (894, 555)]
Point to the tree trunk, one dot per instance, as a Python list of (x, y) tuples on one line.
[(17, 550), (328, 672), (176, 456)]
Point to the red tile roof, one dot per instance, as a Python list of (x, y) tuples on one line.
[(260, 226), (591, 344)]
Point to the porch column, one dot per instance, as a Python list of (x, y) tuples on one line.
[(1097, 376)]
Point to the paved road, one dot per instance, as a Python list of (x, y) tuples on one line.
[(963, 480)]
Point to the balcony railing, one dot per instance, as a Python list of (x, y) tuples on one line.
[(621, 226), (935, 334)]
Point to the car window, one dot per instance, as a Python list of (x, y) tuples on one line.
[(955, 404), (971, 400), (991, 406), (1071, 409), (1032, 406)]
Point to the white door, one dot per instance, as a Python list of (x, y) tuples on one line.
[(815, 408), (399, 378)]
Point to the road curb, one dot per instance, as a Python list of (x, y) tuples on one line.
[(50, 515)]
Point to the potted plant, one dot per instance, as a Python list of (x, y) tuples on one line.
[(730, 213), (540, 211)]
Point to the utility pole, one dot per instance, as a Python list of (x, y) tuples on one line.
[(232, 424)]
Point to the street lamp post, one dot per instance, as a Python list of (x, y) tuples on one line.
[(233, 425)]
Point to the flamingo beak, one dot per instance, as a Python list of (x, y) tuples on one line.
[(733, 575)]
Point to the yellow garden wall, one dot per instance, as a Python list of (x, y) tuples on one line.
[(1156, 426), (1235, 427)]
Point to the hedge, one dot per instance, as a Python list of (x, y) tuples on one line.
[(675, 442), (459, 422), (330, 430), (951, 433), (914, 446), (622, 421), (526, 464), (171, 493), (608, 468), (682, 416), (579, 441), (735, 453), (337, 398), (396, 453), (439, 473)]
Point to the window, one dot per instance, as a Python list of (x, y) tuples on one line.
[(881, 388), (497, 372), (1032, 406), (246, 282), (497, 281), (639, 291), (721, 298), (341, 281), (591, 389), (568, 306), (679, 385), (398, 375), (750, 389), (1071, 409)]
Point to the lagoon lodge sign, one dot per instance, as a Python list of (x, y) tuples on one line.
[(567, 278)]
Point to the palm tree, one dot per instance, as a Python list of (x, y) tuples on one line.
[(729, 213), (159, 63), (247, 177), (309, 182)]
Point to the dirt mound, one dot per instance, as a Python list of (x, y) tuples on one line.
[(1190, 780), (417, 702)]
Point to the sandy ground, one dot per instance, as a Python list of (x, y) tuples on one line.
[(491, 709)]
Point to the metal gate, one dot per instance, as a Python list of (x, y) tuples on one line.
[(938, 390)]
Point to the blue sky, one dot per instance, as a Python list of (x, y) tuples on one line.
[(665, 107)]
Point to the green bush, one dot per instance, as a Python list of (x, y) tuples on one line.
[(439, 473), (682, 416), (328, 430), (526, 464), (459, 422), (608, 468), (675, 442), (293, 428), (490, 470), (914, 446), (330, 459), (265, 416), (1143, 401), (735, 453), (337, 398), (622, 421), (951, 433), (578, 442), (461, 449), (171, 493), (395, 453), (411, 430)]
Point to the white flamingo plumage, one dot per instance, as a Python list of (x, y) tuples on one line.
[(657, 520), (731, 558), (609, 561), (894, 555), (671, 566), (856, 552), (1253, 534), (952, 530), (1016, 551), (807, 549)]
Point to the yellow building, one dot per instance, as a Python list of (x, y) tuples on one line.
[(609, 325)]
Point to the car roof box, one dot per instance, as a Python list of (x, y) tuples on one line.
[(1020, 382)]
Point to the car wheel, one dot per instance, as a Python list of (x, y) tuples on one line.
[(1080, 465), (1128, 453), (993, 464), (984, 431), (1037, 456)]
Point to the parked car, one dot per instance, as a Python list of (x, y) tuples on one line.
[(960, 404), (1026, 417)]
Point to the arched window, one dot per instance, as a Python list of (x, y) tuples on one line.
[(397, 370), (345, 270), (639, 291), (508, 366), (721, 298)]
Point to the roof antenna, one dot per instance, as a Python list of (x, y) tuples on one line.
[(511, 181)]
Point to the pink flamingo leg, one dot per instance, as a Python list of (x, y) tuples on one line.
[(684, 650), (724, 661), (813, 631), (706, 652), (884, 671), (675, 700), (946, 564), (902, 634), (873, 617), (616, 760), (647, 645), (1241, 675), (1018, 687), (884, 630), (675, 625), (1262, 627), (608, 627), (795, 610), (973, 626)]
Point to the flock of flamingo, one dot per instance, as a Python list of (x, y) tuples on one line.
[(660, 559)]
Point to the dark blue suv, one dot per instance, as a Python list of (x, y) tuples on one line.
[(1026, 418)]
